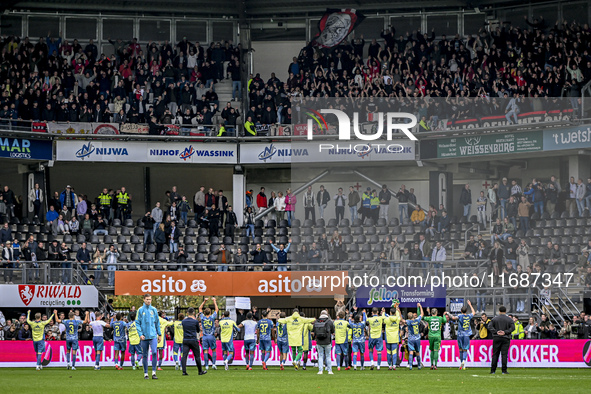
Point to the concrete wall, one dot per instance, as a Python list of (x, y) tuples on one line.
[(275, 57)]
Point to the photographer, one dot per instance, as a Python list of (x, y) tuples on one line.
[(482, 328), (111, 262)]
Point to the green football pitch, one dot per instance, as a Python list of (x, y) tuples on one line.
[(237, 379)]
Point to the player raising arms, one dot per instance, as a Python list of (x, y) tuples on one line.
[(392, 323), (282, 340), (38, 330), (98, 327), (375, 323), (178, 341), (295, 329), (73, 327), (208, 324), (341, 328), (358, 343), (162, 340), (134, 342), (119, 340), (464, 332), (435, 323), (414, 338), (265, 337)]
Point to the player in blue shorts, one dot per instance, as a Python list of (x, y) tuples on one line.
[(282, 342), (227, 329), (376, 341), (358, 343), (464, 332), (119, 340), (265, 333), (135, 347), (250, 344), (73, 327), (208, 325), (38, 332), (179, 335), (98, 327), (414, 338)]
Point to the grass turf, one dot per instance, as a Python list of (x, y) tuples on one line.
[(237, 379)]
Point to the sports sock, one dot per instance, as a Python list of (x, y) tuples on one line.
[(267, 355), (338, 360), (251, 358), (394, 359), (205, 357), (305, 358), (122, 359), (361, 357), (247, 355), (68, 358), (418, 357), (74, 359), (410, 357), (379, 355), (39, 355), (434, 357), (299, 355), (132, 359)]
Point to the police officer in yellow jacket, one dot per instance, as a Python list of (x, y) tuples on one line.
[(105, 202), (519, 332), (123, 200)]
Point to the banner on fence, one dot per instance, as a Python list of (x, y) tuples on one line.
[(559, 353), (48, 296), (240, 284)]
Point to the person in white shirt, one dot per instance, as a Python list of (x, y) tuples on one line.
[(280, 206), (250, 342), (98, 327)]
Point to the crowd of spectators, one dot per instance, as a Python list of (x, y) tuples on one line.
[(497, 68), (52, 79)]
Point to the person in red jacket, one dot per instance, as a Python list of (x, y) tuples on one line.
[(262, 200)]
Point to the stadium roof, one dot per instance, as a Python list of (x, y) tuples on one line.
[(253, 8)]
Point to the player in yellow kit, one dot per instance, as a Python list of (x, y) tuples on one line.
[(392, 323), (38, 331), (162, 342), (227, 327), (134, 342), (295, 329), (341, 331), (178, 341), (306, 342), (375, 323)]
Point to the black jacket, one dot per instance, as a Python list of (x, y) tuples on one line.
[(466, 197), (501, 323), (329, 328), (322, 198)]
